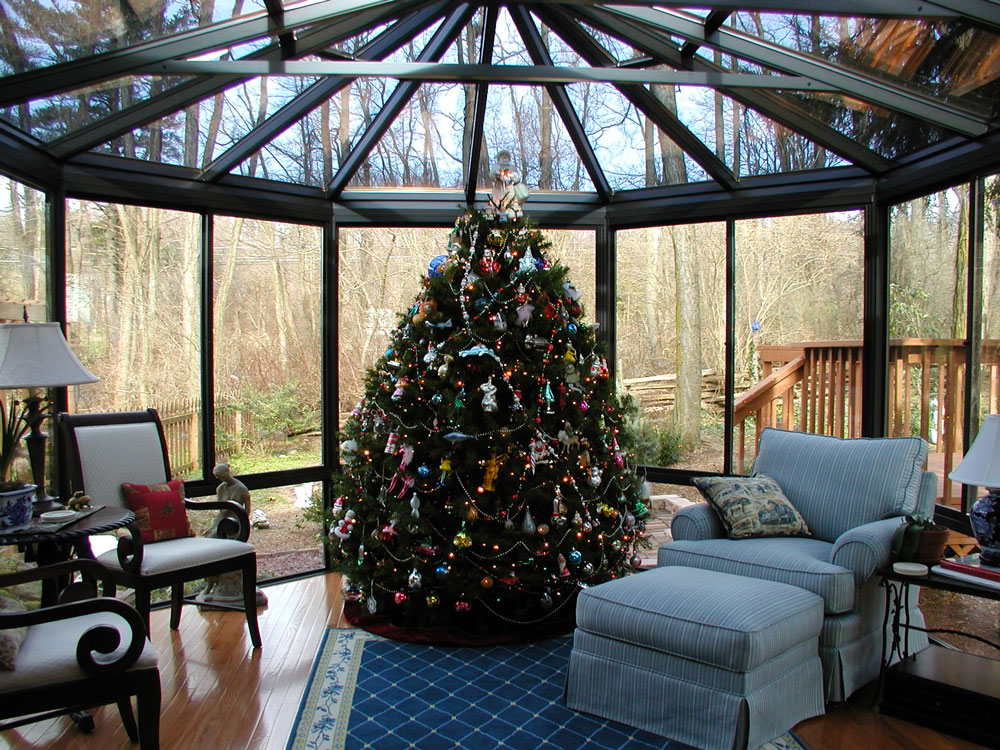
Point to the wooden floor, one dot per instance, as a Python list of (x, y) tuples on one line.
[(220, 694)]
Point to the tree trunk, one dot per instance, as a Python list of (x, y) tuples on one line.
[(671, 156), (653, 299), (687, 312), (958, 304)]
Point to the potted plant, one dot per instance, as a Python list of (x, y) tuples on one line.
[(919, 539), (15, 495)]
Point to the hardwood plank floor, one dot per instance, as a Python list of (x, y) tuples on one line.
[(220, 694)]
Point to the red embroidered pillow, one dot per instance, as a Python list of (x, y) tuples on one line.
[(159, 510)]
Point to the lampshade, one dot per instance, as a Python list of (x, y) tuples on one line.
[(981, 465), (36, 355)]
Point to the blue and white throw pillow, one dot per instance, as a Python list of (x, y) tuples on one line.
[(752, 507)]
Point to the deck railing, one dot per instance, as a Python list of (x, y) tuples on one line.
[(816, 387)]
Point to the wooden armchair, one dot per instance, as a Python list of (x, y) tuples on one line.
[(109, 449), (80, 654)]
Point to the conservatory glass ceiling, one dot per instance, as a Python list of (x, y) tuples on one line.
[(587, 96)]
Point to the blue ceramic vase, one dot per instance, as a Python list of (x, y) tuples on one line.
[(985, 519)]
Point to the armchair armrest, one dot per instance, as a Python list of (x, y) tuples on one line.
[(99, 639), (865, 548), (698, 521), (237, 511)]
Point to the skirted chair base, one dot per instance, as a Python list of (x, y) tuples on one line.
[(706, 658)]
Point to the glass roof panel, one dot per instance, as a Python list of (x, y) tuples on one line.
[(39, 33), (509, 49), (887, 133), (52, 117), (423, 146), (619, 50), (560, 52), (522, 120), (410, 51), (465, 50), (632, 152), (197, 135), (951, 60)]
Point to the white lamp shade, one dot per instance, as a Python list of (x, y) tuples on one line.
[(36, 355), (981, 465)]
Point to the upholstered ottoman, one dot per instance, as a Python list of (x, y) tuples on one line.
[(714, 660)]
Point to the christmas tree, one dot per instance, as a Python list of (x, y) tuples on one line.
[(485, 476)]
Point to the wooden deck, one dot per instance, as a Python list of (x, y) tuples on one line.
[(219, 694)]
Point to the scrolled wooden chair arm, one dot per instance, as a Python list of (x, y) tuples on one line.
[(103, 639), (243, 532), (130, 549)]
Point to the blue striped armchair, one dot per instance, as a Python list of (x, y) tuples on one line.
[(852, 495)]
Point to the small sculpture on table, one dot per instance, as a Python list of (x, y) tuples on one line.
[(227, 587)]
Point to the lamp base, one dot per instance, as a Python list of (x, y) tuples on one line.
[(985, 519)]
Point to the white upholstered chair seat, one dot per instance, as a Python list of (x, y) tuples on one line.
[(48, 654), (177, 554)]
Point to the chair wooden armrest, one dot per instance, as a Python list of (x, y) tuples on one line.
[(242, 533), (90, 567)]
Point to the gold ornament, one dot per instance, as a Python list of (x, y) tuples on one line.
[(461, 540)]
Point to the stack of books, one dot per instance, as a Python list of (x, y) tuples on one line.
[(968, 568)]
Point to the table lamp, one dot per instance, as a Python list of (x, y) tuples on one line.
[(36, 355), (981, 467)]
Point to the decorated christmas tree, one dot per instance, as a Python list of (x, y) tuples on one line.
[(485, 475)]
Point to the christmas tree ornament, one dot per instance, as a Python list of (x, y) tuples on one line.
[(442, 369), (442, 571), (361, 555), (561, 564), (549, 398), (522, 294), (352, 592), (436, 399), (636, 561), (346, 526), (372, 605), (575, 556), (570, 354), (338, 505), (361, 404), (415, 505), (445, 467), (425, 310), (415, 580), (486, 582), (458, 403), (528, 524), (458, 437), (527, 263), (348, 451), (434, 267), (397, 395), (584, 406), (587, 569), (545, 600), (432, 601), (461, 539), (391, 443), (423, 471), (488, 264), (489, 395), (524, 314), (462, 607), (492, 470), (499, 322), (595, 476), (400, 598), (431, 354)]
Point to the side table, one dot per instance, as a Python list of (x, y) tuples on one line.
[(942, 688), (45, 545)]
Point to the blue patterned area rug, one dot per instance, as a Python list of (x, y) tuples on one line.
[(370, 692)]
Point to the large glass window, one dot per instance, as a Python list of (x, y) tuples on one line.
[(671, 340), (133, 313), (799, 292), (929, 258), (267, 376)]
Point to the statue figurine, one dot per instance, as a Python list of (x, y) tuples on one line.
[(227, 587)]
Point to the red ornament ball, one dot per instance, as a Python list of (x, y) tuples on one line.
[(400, 598), (462, 607)]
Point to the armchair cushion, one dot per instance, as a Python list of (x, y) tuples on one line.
[(752, 507), (11, 638), (159, 509), (798, 561), (178, 554)]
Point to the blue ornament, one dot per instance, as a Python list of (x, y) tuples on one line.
[(571, 327), (575, 557), (442, 571), (434, 269), (436, 399), (423, 470)]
